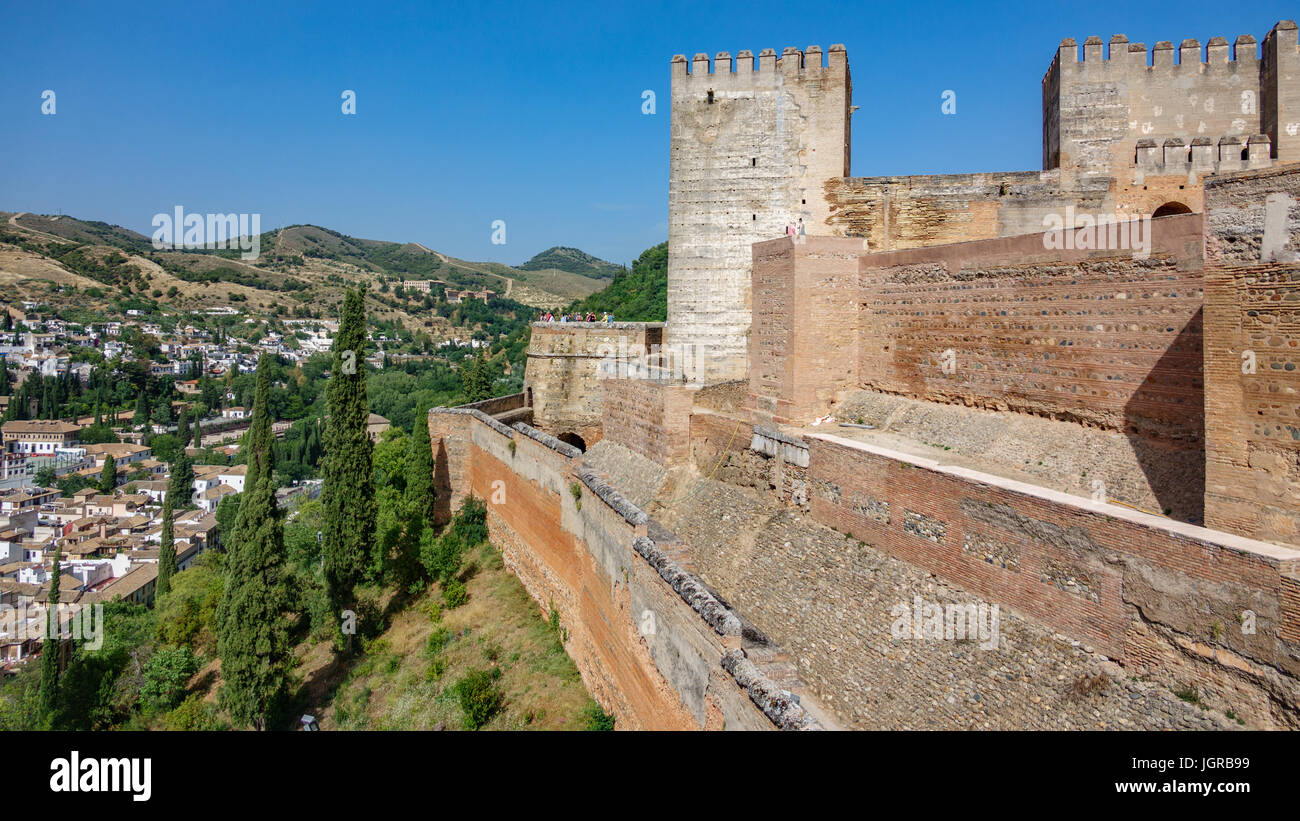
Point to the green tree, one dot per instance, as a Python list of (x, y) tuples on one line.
[(141, 418), (166, 551), (348, 494), (476, 378), (45, 477), (108, 476), (183, 428), (253, 636), (187, 614), (419, 468), (166, 674), (48, 700), (180, 482)]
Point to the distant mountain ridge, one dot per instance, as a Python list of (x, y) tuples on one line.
[(300, 257), (573, 260)]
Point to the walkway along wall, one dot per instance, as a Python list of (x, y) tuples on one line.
[(652, 644)]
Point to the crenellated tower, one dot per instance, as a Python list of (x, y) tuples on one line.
[(1173, 109), (753, 143)]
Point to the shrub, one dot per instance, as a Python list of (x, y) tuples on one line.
[(597, 719), (438, 641), (470, 522), (166, 674), (454, 595), (480, 699)]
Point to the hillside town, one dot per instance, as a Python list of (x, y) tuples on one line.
[(99, 504)]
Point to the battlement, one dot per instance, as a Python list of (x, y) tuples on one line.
[(792, 62), (1204, 155), (1122, 55)]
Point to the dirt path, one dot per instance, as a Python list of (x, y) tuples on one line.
[(13, 222)]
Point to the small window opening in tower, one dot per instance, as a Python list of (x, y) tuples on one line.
[(753, 161), (755, 217), (710, 96)]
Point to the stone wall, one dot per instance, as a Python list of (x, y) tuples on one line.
[(1163, 598), (1101, 337), (1104, 337), (652, 644), (750, 152), (1098, 110), (650, 417), (563, 372), (1252, 355)]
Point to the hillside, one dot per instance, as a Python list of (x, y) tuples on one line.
[(573, 261), (299, 267), (639, 295)]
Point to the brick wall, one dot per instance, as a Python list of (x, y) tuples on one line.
[(1094, 336), (652, 644), (1135, 586), (1099, 337), (650, 417), (1252, 355)]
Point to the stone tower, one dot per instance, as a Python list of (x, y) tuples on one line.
[(1214, 108), (751, 150)]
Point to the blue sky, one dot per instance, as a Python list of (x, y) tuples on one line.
[(473, 112)]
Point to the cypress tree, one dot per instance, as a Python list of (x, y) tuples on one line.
[(419, 497), (183, 428), (419, 468), (167, 551), (180, 483), (141, 418), (48, 695), (348, 494), (108, 476), (253, 637)]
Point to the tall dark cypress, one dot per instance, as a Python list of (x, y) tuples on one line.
[(253, 637), (419, 468), (180, 482), (108, 475), (419, 498), (348, 494), (183, 428), (167, 551)]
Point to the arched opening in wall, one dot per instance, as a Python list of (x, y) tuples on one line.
[(1169, 209), (575, 440)]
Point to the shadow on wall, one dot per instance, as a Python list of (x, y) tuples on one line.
[(1165, 424), (441, 485), (575, 440)]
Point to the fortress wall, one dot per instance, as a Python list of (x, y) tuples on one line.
[(802, 347), (1098, 106), (562, 370), (1097, 337), (892, 213), (650, 417), (1160, 597), (1252, 354), (652, 645), (750, 152)]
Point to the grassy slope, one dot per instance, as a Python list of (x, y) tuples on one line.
[(397, 684)]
